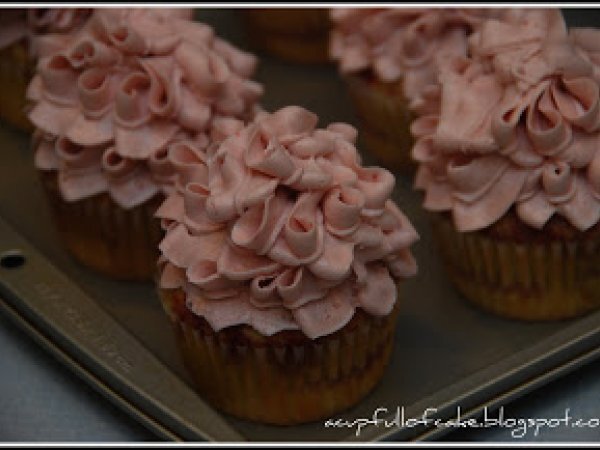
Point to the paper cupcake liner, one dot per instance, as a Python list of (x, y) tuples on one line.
[(119, 243), (384, 120), (528, 281), (295, 35), (284, 381), (16, 70)]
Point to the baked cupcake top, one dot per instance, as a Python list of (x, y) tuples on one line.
[(280, 227), (408, 44), (518, 127), (129, 86)]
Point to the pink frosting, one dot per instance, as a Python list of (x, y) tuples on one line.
[(586, 43), (46, 30), (403, 43), (128, 88), (518, 126), (281, 228)]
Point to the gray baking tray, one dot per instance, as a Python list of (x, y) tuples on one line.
[(447, 354)]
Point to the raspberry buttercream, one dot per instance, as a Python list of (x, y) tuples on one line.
[(45, 30), (129, 86), (281, 228), (408, 44), (518, 126)]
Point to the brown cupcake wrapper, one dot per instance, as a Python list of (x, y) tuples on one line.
[(385, 120), (554, 280), (285, 383), (294, 35), (16, 70), (116, 242)]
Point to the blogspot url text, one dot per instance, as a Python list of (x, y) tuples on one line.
[(519, 426)]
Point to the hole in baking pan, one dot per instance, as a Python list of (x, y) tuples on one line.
[(12, 259)]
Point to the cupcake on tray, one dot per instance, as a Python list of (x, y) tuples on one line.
[(510, 166), (389, 59), (25, 36), (109, 109), (279, 269)]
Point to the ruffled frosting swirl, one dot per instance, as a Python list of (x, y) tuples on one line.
[(280, 227), (402, 43), (518, 126), (130, 86), (45, 30)]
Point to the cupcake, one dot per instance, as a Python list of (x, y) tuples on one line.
[(298, 35), (389, 59), (279, 269), (510, 167), (25, 35), (108, 109)]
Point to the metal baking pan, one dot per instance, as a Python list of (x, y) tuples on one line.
[(447, 354)]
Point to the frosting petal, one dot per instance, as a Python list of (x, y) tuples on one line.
[(183, 249), (469, 217), (319, 317), (90, 132), (299, 286), (465, 114), (336, 259), (189, 162), (289, 124), (204, 273), (52, 120), (239, 264), (376, 185), (341, 208), (378, 295), (133, 190), (270, 158), (59, 80), (302, 229), (45, 155), (582, 208), (259, 226), (194, 205)]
